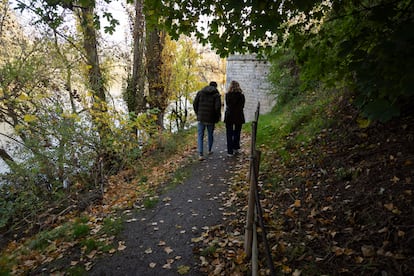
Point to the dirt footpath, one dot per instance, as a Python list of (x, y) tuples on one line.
[(158, 240)]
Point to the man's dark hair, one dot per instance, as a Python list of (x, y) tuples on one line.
[(213, 83)]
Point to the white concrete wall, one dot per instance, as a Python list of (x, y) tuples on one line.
[(251, 73)]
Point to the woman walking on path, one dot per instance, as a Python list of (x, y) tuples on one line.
[(234, 117)]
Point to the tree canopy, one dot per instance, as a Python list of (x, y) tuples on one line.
[(366, 46)]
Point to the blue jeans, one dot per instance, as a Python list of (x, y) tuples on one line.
[(210, 132), (233, 137)]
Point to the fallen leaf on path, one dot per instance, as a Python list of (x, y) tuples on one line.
[(203, 260), (152, 265), (183, 269), (91, 254), (168, 264), (168, 250), (198, 239), (88, 266), (121, 245)]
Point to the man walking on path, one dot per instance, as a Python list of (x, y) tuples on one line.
[(207, 107)]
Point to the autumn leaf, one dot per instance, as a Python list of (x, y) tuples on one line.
[(337, 250), (88, 266), (286, 269), (91, 254), (204, 261), (183, 269), (289, 212), (367, 250), (297, 272), (152, 265), (121, 246), (218, 269), (198, 239), (28, 118), (168, 250), (23, 97), (359, 259), (168, 264), (395, 179), (363, 123)]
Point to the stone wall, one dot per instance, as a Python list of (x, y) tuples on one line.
[(251, 73)]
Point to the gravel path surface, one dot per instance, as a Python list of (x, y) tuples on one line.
[(158, 240)]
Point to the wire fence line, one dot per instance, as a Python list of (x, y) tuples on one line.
[(254, 211)]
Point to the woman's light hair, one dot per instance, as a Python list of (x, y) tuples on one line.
[(235, 87)]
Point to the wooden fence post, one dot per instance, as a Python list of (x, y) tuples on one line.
[(253, 173)]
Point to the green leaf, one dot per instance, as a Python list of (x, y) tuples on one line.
[(28, 118)]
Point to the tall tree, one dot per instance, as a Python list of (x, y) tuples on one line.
[(50, 13), (86, 17), (182, 76), (157, 98), (134, 94)]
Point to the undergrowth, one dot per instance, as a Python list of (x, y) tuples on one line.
[(294, 123), (95, 228)]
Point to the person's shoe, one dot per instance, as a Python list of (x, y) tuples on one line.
[(230, 154), (236, 151), (201, 158), (210, 152)]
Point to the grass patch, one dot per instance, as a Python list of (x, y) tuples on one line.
[(178, 177), (80, 230), (43, 239), (77, 270), (150, 202), (112, 226), (92, 244), (294, 124)]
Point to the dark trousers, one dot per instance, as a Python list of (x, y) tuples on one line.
[(233, 137)]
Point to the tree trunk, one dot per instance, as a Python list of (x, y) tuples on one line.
[(96, 84), (136, 83), (158, 97), (94, 73), (92, 59)]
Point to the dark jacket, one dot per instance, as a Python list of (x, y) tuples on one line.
[(207, 105), (234, 108)]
